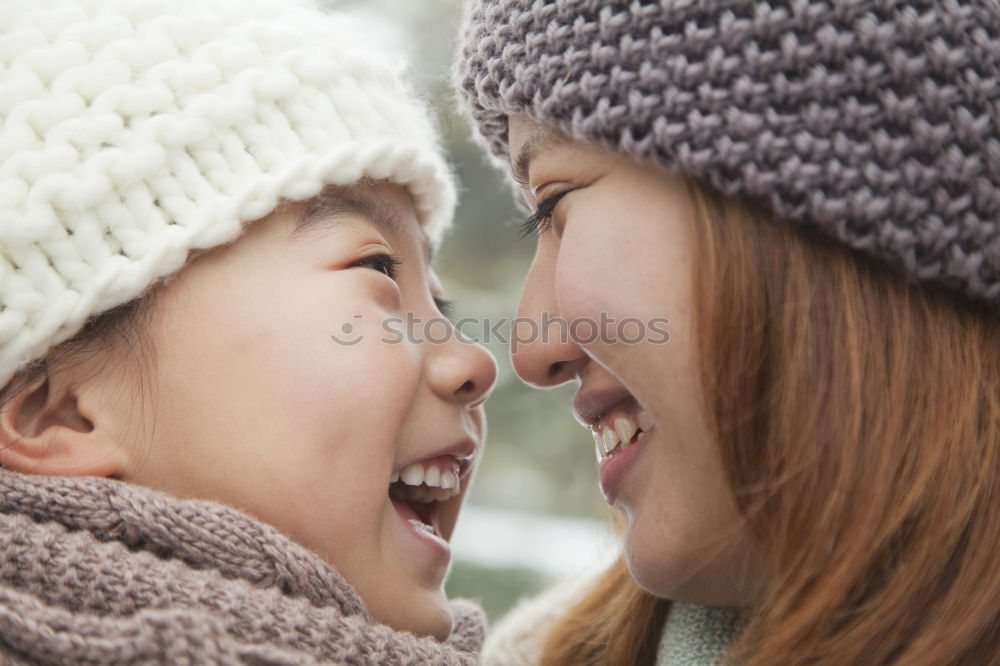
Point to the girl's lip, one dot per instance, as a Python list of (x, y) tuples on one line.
[(434, 542), (614, 470), (465, 452)]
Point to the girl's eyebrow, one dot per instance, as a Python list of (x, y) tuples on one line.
[(329, 208)]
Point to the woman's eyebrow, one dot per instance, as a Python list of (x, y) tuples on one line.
[(539, 138)]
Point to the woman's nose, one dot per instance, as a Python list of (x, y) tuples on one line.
[(542, 348)]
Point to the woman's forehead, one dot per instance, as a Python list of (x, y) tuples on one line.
[(527, 140)]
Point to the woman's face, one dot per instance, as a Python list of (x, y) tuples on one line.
[(284, 386), (613, 265)]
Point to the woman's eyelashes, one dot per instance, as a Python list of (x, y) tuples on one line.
[(541, 220), (385, 263), (445, 307)]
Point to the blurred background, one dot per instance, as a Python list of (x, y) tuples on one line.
[(535, 512)]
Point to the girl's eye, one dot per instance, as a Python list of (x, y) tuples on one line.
[(541, 220), (386, 264), (445, 307)]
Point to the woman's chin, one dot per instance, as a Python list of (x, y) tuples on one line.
[(662, 568), (705, 576)]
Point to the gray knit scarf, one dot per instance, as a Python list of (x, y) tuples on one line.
[(98, 571)]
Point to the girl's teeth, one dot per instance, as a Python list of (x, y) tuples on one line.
[(432, 476), (424, 526), (427, 483), (413, 475)]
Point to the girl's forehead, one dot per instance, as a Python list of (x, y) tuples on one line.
[(385, 206)]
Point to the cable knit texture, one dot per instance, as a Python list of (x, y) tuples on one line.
[(875, 122), (97, 571), (698, 635), (133, 131)]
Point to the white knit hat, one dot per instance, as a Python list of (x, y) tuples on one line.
[(134, 131)]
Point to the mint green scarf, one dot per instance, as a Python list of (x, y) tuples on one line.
[(697, 635)]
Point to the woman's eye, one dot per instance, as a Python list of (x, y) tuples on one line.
[(386, 264), (541, 220), (445, 306)]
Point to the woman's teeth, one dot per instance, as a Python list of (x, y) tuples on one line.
[(616, 436), (426, 482)]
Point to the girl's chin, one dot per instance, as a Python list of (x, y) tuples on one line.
[(429, 615)]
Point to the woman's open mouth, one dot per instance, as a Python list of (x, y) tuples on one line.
[(619, 426)]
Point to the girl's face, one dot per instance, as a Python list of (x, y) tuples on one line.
[(284, 385), (614, 263)]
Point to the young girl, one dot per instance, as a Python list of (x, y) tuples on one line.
[(809, 469), (211, 453)]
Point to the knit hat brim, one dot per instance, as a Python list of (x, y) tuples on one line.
[(876, 126), (135, 133)]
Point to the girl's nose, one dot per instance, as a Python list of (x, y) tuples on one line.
[(465, 372)]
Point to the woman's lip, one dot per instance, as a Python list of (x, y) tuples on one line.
[(590, 405), (613, 471), (433, 542)]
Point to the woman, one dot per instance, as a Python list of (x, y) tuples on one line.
[(808, 467)]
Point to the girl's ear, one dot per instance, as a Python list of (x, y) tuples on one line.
[(49, 428)]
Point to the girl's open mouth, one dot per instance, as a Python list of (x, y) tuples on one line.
[(421, 516), (418, 490)]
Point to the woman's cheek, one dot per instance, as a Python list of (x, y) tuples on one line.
[(588, 272), (610, 291)]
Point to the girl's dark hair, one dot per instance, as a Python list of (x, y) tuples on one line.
[(119, 329)]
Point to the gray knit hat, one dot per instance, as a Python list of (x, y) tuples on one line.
[(875, 122)]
